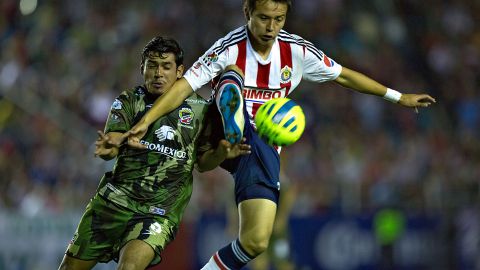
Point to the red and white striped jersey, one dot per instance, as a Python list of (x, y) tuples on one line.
[(291, 59)]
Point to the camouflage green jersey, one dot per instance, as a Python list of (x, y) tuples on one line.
[(157, 180)]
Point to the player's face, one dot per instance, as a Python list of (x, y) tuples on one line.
[(266, 21), (160, 72)]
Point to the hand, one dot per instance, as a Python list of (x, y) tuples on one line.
[(415, 101), (104, 146), (136, 133), (230, 151)]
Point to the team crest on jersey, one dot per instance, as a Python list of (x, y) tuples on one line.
[(286, 74), (186, 116)]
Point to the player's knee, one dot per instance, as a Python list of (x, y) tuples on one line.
[(236, 69), (255, 245)]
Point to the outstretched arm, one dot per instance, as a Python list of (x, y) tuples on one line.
[(363, 84), (225, 150), (164, 104)]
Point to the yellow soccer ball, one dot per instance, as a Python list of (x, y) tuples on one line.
[(280, 121)]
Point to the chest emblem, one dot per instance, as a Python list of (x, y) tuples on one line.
[(165, 133), (186, 116), (286, 74)]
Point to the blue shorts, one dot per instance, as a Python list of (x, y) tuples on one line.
[(257, 174), (257, 191)]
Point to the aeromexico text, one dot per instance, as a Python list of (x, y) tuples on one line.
[(165, 150)]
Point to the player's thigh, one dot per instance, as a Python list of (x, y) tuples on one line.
[(71, 263), (148, 234), (136, 254), (257, 217)]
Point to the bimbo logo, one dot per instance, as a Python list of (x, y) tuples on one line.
[(261, 94)]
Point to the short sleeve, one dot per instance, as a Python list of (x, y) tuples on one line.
[(318, 67), (120, 117)]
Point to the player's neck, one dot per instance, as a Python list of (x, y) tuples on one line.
[(263, 50)]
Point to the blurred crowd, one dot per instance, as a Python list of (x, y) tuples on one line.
[(62, 63)]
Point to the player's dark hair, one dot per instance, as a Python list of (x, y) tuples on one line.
[(249, 5), (162, 45)]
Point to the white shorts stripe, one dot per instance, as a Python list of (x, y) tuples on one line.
[(239, 253)]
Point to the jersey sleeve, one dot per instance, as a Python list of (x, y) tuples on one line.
[(120, 117), (318, 67), (208, 66)]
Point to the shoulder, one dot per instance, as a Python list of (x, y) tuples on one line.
[(137, 92), (195, 98), (297, 40), (293, 38), (129, 97), (232, 38)]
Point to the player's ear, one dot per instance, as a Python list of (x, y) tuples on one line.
[(245, 12), (180, 70)]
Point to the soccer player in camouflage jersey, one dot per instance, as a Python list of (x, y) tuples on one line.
[(137, 208)]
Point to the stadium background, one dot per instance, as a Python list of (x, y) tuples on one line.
[(63, 62)]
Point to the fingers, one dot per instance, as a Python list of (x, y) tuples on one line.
[(428, 98), (135, 143), (101, 135), (101, 152), (422, 104), (118, 141), (425, 100), (245, 149)]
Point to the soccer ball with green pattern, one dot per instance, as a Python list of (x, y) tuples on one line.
[(280, 121)]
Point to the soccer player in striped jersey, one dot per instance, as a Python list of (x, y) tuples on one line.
[(255, 63), (138, 206)]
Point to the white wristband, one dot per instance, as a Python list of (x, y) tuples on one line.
[(392, 95)]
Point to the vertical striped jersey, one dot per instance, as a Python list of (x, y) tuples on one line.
[(291, 59)]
